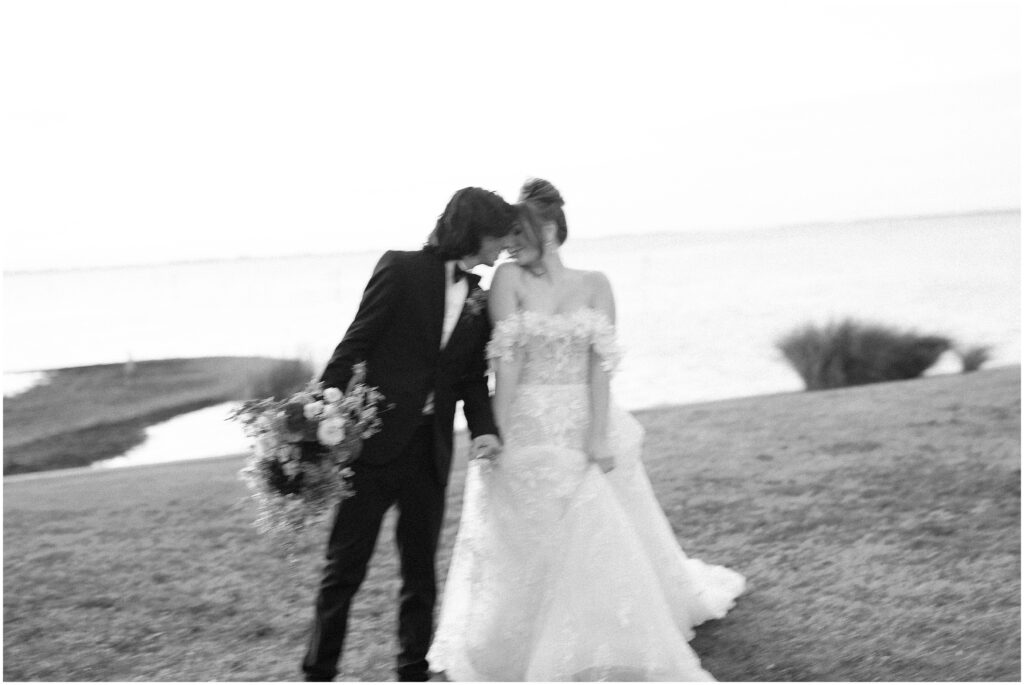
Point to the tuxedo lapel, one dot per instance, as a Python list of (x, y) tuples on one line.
[(436, 297)]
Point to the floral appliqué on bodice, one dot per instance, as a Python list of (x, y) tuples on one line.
[(554, 353), (554, 348)]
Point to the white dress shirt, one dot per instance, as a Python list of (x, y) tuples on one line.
[(455, 295)]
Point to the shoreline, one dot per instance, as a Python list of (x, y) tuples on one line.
[(86, 414), (726, 404), (89, 471)]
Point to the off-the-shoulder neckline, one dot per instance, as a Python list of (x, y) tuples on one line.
[(590, 311)]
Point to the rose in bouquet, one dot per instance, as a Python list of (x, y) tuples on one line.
[(303, 446)]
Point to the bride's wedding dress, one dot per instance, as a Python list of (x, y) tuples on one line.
[(559, 571)]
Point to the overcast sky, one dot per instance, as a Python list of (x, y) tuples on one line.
[(147, 131)]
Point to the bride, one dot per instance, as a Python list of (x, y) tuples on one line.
[(565, 567)]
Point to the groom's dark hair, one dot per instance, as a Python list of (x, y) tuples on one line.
[(471, 214)]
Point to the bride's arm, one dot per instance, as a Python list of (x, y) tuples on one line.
[(501, 304), (600, 383)]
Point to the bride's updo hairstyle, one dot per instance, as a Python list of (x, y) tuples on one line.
[(540, 203)]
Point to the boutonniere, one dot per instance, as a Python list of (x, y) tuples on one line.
[(475, 303)]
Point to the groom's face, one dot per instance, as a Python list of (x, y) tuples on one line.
[(490, 248)]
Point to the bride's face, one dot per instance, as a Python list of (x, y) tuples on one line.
[(525, 248)]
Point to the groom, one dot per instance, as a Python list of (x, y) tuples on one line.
[(421, 328)]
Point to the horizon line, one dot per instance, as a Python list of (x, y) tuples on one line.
[(611, 236)]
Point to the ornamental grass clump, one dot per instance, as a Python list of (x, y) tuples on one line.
[(851, 352), (972, 358)]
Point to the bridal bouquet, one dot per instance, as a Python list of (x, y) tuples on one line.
[(302, 449)]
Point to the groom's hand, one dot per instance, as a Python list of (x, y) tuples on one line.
[(485, 447)]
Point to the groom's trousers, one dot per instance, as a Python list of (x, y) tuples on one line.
[(411, 481)]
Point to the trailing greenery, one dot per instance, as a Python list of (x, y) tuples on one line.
[(851, 352)]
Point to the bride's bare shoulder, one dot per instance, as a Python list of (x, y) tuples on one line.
[(507, 275), (507, 268)]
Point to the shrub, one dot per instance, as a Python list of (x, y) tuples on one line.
[(972, 358), (851, 352), (281, 379)]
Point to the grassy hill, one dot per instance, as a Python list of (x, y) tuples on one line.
[(878, 527)]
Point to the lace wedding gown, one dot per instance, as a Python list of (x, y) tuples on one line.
[(561, 572)]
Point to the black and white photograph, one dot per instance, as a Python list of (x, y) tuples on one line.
[(511, 341)]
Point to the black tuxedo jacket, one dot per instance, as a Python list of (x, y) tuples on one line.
[(397, 332)]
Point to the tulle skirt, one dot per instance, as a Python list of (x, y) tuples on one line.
[(561, 572)]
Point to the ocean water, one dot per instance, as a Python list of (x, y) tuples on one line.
[(195, 435), (698, 314)]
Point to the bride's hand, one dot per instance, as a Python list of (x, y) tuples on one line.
[(602, 456)]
